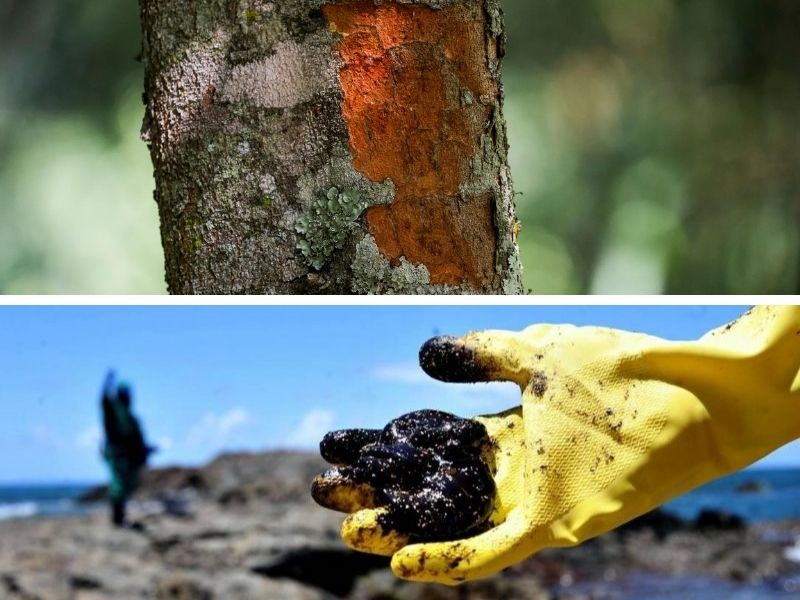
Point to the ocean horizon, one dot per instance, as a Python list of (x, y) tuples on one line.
[(26, 500), (755, 494)]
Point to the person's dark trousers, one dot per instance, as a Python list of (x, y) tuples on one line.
[(118, 512)]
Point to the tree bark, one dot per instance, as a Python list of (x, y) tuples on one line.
[(353, 146)]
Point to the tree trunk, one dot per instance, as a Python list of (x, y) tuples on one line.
[(345, 147)]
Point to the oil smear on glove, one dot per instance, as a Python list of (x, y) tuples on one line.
[(424, 468)]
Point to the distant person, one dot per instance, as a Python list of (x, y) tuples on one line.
[(124, 449)]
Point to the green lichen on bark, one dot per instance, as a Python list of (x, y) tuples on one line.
[(327, 224)]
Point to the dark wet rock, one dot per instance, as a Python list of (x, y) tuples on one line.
[(335, 570), (265, 477), (9, 585), (84, 582), (752, 487), (718, 520), (94, 495), (659, 521), (663, 523), (156, 483), (290, 549), (230, 479)]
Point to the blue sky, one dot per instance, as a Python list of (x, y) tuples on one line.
[(207, 379)]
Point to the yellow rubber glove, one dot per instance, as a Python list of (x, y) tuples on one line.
[(612, 425)]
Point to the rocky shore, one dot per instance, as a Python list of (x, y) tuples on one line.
[(244, 527)]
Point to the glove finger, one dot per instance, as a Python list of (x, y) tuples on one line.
[(337, 491), (378, 467), (478, 357), (343, 447), (480, 556), (363, 531)]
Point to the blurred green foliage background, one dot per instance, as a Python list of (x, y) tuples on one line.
[(654, 147)]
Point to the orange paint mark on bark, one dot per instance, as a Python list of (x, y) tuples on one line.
[(406, 69)]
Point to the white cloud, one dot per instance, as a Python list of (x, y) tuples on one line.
[(315, 424), (488, 397), (407, 373), (233, 420), (456, 397), (45, 436), (89, 437), (213, 429)]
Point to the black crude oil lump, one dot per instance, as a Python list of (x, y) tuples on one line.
[(426, 469)]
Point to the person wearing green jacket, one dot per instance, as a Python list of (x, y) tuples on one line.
[(124, 450)]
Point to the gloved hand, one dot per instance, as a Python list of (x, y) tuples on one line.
[(612, 425)]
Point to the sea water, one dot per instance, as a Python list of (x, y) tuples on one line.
[(754, 494), (30, 500)]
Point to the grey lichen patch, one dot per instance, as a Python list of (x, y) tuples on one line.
[(496, 36), (328, 223), (374, 274), (494, 13), (293, 74), (268, 188), (509, 261), (256, 11), (339, 171), (512, 283)]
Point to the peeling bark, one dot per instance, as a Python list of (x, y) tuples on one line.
[(343, 147)]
